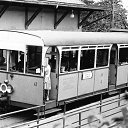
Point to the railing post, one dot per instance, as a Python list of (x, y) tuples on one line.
[(80, 120), (38, 115), (119, 98), (44, 110), (64, 107), (101, 98), (64, 121), (64, 114)]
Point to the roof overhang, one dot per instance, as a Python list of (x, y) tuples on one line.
[(77, 4)]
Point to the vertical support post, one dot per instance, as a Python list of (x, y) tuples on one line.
[(64, 121), (80, 120), (44, 110), (26, 17), (64, 115), (55, 18), (64, 107), (119, 99), (38, 116), (101, 98)]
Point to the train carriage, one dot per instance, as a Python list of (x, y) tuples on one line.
[(82, 63)]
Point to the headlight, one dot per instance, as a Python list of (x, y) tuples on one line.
[(3, 88), (9, 88)]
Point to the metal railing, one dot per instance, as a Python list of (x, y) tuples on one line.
[(72, 113), (37, 108), (38, 123)]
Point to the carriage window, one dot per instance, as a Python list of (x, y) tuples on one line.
[(102, 57), (69, 61), (34, 57), (16, 61), (3, 59), (123, 55), (87, 59)]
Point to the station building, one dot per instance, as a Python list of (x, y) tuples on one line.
[(59, 15)]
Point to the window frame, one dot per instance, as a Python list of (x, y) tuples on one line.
[(102, 48), (87, 47), (69, 48), (120, 47), (16, 71), (26, 57), (6, 60), (25, 60)]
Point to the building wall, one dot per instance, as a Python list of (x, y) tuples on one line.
[(14, 18)]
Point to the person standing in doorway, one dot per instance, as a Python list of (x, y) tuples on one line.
[(47, 85)]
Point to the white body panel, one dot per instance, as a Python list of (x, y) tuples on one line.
[(86, 82), (101, 79), (122, 74), (67, 86), (27, 89)]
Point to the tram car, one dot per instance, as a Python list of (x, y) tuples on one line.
[(81, 63)]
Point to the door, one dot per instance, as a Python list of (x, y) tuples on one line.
[(113, 67), (53, 56)]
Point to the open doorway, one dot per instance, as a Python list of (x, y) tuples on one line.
[(113, 67), (53, 56)]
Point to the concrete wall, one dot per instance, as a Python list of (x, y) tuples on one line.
[(14, 18)]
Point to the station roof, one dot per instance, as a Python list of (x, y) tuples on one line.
[(57, 3)]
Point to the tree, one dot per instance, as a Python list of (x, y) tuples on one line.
[(114, 17)]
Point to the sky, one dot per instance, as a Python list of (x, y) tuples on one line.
[(125, 4)]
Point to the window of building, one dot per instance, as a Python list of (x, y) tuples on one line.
[(3, 59), (34, 59), (87, 59), (69, 61), (102, 57), (123, 55)]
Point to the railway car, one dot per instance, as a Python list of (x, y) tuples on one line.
[(82, 63)]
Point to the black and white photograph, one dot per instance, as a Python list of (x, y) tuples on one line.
[(63, 63)]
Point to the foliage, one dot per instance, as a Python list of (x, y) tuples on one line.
[(116, 16)]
